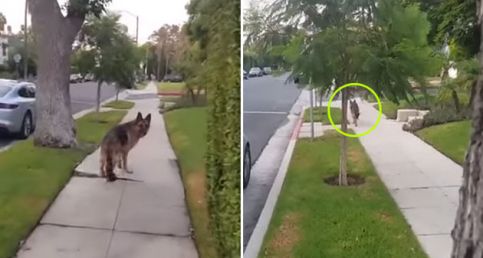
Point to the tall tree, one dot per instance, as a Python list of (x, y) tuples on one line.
[(379, 43), (468, 230), (108, 52), (55, 33)]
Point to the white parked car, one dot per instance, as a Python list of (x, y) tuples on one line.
[(17, 108), (267, 70), (255, 72)]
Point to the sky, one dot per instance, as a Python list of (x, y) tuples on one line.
[(152, 14)]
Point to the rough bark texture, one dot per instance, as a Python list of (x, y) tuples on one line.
[(98, 96), (55, 34), (343, 142), (468, 231)]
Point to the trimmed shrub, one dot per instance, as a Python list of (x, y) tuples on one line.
[(444, 114)]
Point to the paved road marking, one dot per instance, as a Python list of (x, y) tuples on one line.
[(266, 112)]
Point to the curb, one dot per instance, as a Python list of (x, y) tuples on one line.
[(122, 95), (255, 243)]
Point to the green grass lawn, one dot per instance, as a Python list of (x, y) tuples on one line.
[(120, 104), (31, 177), (320, 115), (389, 109), (171, 87), (313, 219), (187, 133), (451, 139)]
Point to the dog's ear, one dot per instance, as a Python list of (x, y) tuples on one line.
[(139, 117), (148, 118)]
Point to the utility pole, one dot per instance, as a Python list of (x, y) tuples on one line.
[(26, 57), (137, 29), (311, 110)]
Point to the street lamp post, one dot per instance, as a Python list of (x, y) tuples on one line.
[(137, 22), (26, 57)]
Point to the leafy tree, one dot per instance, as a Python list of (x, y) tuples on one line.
[(168, 41), (55, 33), (379, 43), (84, 61), (17, 46), (108, 53)]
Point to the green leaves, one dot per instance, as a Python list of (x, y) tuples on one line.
[(107, 51), (383, 45)]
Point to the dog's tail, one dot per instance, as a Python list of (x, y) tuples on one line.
[(107, 163)]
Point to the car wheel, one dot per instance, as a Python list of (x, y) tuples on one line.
[(247, 166), (27, 126)]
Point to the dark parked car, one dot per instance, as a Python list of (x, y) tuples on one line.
[(247, 162), (172, 78), (245, 75)]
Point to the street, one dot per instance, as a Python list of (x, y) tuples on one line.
[(268, 102), (83, 96)]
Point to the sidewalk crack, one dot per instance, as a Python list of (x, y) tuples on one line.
[(115, 220)]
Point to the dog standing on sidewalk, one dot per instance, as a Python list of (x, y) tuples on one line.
[(354, 111), (118, 142)]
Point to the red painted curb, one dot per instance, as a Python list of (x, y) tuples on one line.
[(296, 131)]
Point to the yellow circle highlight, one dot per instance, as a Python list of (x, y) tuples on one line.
[(355, 84)]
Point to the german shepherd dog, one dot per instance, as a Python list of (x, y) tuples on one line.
[(354, 111), (118, 142)]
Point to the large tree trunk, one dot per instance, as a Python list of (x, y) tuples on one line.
[(468, 231), (343, 142), (54, 36)]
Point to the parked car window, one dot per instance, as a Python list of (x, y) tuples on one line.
[(31, 91), (4, 90), (23, 92)]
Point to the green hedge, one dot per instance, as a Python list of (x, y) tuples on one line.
[(220, 42)]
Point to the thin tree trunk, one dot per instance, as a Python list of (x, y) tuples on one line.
[(54, 36), (98, 96), (472, 94), (343, 142), (456, 100), (468, 231), (118, 89)]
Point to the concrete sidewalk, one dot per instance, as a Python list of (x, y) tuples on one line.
[(125, 219), (423, 182)]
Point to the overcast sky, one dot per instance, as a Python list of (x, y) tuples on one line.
[(152, 14)]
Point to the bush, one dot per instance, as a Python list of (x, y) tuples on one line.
[(444, 114)]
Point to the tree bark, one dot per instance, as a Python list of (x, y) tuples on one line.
[(343, 142), (118, 88), (98, 96), (468, 230), (54, 36), (456, 100)]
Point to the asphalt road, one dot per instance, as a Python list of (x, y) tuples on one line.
[(266, 103), (83, 96)]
